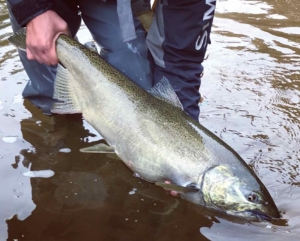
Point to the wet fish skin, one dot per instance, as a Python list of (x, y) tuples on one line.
[(154, 138)]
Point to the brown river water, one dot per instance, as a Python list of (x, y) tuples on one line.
[(252, 101)]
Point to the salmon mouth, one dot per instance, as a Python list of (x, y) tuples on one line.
[(261, 216), (254, 215)]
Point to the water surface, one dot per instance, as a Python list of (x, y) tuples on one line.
[(252, 93)]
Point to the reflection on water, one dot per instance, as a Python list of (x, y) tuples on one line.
[(252, 90), (88, 193)]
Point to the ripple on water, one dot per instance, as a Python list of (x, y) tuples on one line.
[(252, 90), (39, 173), (65, 150), (9, 139), (244, 7), (276, 16), (288, 30)]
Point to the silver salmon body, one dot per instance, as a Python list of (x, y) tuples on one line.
[(153, 136)]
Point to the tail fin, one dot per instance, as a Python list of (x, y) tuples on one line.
[(19, 39)]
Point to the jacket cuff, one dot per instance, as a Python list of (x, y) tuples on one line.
[(26, 10)]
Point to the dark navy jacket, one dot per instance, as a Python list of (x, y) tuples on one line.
[(25, 10)]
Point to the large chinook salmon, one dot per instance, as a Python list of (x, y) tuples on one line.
[(152, 134)]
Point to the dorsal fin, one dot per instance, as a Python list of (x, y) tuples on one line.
[(163, 90)]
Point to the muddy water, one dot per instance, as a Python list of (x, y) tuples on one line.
[(252, 94)]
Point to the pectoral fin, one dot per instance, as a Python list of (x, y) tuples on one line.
[(63, 93), (180, 189), (99, 148)]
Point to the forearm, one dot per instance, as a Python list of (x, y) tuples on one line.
[(25, 10)]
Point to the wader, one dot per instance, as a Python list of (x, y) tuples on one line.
[(173, 48)]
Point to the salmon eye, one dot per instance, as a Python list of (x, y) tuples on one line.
[(252, 197)]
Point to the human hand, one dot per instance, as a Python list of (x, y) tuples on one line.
[(41, 34)]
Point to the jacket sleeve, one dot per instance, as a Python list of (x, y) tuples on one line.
[(25, 10)]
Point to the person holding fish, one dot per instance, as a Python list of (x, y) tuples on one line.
[(174, 46), (141, 94)]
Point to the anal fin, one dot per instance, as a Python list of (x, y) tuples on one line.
[(99, 148)]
